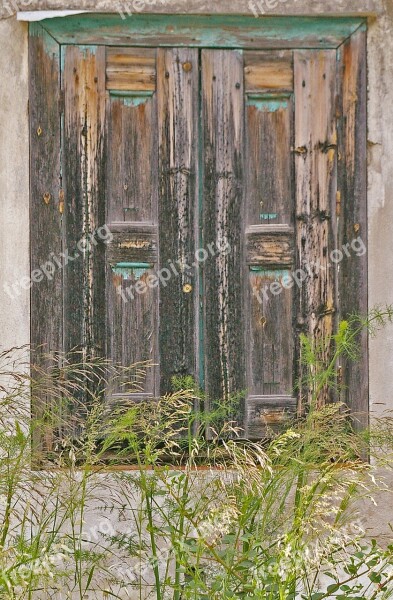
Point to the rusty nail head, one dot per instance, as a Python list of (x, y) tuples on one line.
[(39, 131), (187, 67), (47, 197), (187, 288)]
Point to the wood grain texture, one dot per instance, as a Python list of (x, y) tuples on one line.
[(137, 244), (270, 246), (271, 341), (270, 242), (352, 221), (45, 219), (132, 180), (269, 172), (223, 219), (132, 173), (132, 332), (268, 71), (267, 415), (178, 118), (316, 188), (132, 310), (222, 31), (84, 173), (131, 69)]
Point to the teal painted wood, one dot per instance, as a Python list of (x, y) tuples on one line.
[(130, 269), (268, 104), (131, 98), (203, 31)]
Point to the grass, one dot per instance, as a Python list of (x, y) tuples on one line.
[(271, 520)]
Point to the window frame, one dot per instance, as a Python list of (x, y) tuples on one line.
[(245, 32)]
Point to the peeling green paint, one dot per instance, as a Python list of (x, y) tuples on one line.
[(131, 98), (267, 104), (275, 274), (62, 59), (268, 216), (219, 31), (88, 49), (85, 50), (128, 270), (50, 45)]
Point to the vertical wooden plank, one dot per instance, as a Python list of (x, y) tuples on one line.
[(269, 165), (132, 304), (316, 186), (85, 196), (178, 118), (352, 213), (223, 218), (132, 330), (270, 339), (269, 200), (132, 173), (45, 216)]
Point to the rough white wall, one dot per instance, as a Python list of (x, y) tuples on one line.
[(14, 182), (380, 199), (14, 202), (273, 7), (380, 214)]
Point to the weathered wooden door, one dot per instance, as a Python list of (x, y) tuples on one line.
[(222, 180)]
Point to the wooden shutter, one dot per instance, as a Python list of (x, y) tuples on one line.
[(254, 157), (223, 139), (275, 186), (351, 211), (84, 190), (248, 201), (178, 117), (269, 239), (316, 192), (45, 217), (152, 212), (132, 196)]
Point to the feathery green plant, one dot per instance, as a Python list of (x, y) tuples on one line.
[(191, 517)]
